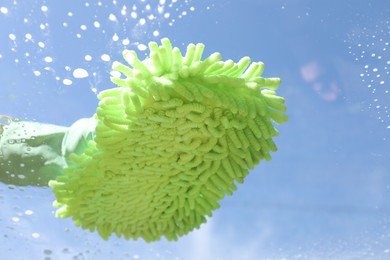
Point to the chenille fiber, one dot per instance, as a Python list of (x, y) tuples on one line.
[(172, 139)]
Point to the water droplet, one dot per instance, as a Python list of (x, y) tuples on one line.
[(47, 252), (4, 10), (142, 21), (124, 10), (105, 57), (28, 36), (126, 42), (12, 36), (142, 47), (67, 82), (48, 59), (21, 176), (35, 235), (112, 18), (80, 73)]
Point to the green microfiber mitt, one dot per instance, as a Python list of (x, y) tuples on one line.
[(171, 140)]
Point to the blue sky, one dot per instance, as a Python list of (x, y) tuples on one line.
[(324, 194)]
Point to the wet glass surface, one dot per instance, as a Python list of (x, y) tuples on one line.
[(325, 193)]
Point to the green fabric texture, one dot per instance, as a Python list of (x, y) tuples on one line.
[(171, 141)]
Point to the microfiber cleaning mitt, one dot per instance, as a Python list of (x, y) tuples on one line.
[(171, 140)]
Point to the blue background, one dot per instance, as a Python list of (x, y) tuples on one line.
[(324, 195)]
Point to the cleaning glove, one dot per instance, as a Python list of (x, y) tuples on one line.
[(174, 136)]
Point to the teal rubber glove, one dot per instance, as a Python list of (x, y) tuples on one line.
[(34, 153)]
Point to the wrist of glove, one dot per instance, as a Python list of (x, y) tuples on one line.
[(30, 152), (33, 153), (77, 137)]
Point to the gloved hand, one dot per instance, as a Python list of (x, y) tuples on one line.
[(77, 137), (30, 152), (33, 153)]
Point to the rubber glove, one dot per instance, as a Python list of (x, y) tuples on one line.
[(34, 153), (77, 137), (30, 153)]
